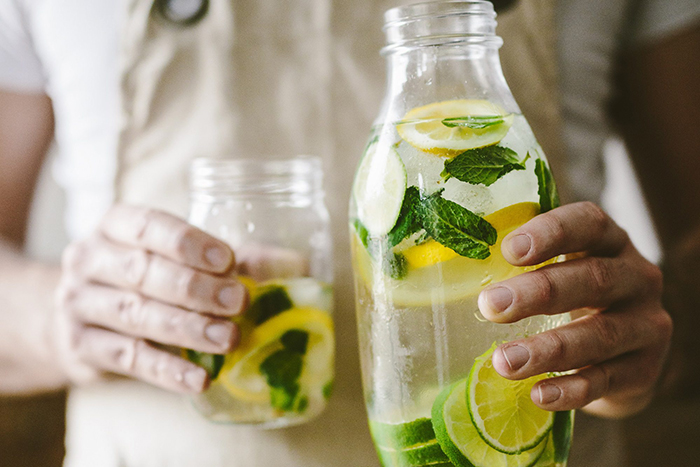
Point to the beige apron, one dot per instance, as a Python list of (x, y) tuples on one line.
[(262, 78)]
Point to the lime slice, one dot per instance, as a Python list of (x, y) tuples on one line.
[(502, 410), (407, 444), (380, 185), (461, 441), (424, 127), (561, 435), (241, 375), (437, 274)]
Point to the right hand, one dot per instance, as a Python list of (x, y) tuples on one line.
[(145, 280)]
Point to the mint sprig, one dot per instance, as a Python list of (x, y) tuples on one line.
[(282, 370), (546, 188), (456, 227), (474, 122), (407, 223), (483, 166)]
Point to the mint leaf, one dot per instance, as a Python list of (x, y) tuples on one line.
[(282, 368), (210, 362), (295, 340), (361, 232), (395, 265), (483, 165), (456, 227), (283, 398), (547, 189), (271, 301), (407, 223), (474, 122)]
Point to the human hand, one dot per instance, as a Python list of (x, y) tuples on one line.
[(618, 350), (145, 280)]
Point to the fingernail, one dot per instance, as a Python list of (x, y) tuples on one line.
[(548, 393), (498, 299), (217, 257), (219, 333), (231, 296), (519, 246), (516, 356), (196, 379)]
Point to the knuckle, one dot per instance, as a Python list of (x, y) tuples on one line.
[(663, 325), (136, 265), (607, 333), (654, 278), (596, 216), (131, 309), (557, 346), (189, 283), (66, 295), (600, 275), (555, 229), (544, 285)]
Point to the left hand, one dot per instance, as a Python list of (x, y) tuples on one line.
[(618, 350)]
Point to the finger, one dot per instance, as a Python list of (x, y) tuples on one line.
[(132, 314), (166, 235), (631, 376), (264, 262), (99, 260), (138, 359), (585, 341), (568, 229), (591, 282)]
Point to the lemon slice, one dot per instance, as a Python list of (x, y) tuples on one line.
[(461, 441), (437, 274), (502, 411), (424, 129), (241, 375), (379, 189)]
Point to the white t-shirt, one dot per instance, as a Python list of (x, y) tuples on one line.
[(68, 50)]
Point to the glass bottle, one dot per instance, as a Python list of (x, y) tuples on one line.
[(272, 213), (451, 167)]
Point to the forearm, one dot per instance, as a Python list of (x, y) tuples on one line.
[(28, 357)]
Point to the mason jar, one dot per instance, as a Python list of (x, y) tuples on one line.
[(451, 167), (272, 214)]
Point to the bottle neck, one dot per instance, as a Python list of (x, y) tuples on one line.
[(442, 51)]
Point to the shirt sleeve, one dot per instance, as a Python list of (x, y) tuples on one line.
[(655, 19), (20, 67)]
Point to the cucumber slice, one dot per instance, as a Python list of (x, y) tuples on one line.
[(380, 186)]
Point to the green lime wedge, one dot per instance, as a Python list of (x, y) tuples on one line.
[(429, 454), (561, 435), (409, 444), (380, 185), (501, 409), (461, 441)]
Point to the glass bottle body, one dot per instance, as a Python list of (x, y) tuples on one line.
[(450, 169), (272, 214)]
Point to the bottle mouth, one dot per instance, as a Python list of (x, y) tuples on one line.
[(270, 178), (443, 23)]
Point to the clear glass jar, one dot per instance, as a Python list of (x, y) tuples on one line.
[(451, 167), (272, 213)]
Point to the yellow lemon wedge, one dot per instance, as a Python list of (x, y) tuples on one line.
[(435, 127)]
